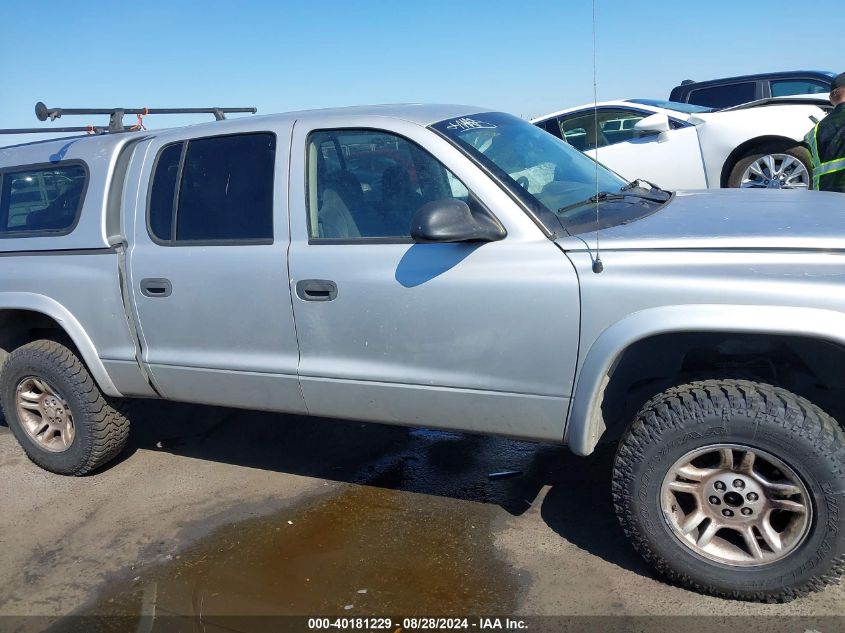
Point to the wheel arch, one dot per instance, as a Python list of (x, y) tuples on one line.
[(23, 313), (586, 422), (746, 148)]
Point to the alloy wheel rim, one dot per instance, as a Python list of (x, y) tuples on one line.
[(736, 505), (44, 414), (776, 171)]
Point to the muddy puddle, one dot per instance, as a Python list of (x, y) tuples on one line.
[(362, 550)]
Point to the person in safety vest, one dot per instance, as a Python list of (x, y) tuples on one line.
[(827, 143)]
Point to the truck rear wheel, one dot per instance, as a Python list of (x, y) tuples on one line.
[(57, 412), (733, 488)]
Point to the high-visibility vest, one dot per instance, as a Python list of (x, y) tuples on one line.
[(819, 168)]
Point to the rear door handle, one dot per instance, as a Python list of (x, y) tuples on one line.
[(156, 287), (316, 290)]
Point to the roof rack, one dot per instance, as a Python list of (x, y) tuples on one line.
[(42, 112)]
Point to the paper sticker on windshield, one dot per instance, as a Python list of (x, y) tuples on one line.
[(467, 123)]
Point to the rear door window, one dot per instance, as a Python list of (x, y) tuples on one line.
[(214, 190), (163, 192), (724, 96), (788, 87), (41, 200)]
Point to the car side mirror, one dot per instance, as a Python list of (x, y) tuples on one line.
[(654, 124), (451, 220)]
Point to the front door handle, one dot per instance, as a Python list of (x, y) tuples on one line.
[(156, 287), (316, 290)]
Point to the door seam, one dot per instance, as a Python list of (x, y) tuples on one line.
[(289, 211)]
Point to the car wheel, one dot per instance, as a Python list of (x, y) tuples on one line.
[(773, 168), (733, 488), (57, 412)]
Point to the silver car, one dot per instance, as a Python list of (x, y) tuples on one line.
[(450, 267)]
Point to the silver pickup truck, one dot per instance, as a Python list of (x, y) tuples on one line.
[(447, 267)]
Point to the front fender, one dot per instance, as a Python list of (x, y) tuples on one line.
[(585, 424), (71, 326)]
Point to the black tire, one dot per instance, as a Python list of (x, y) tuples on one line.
[(765, 418), (100, 428), (797, 151)]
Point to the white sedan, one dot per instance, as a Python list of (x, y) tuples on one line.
[(683, 146)]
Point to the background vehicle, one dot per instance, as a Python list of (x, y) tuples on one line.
[(242, 263), (731, 91), (683, 146)]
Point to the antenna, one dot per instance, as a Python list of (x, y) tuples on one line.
[(43, 113), (598, 266)]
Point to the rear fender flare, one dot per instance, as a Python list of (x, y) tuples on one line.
[(71, 326)]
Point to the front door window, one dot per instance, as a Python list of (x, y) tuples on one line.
[(369, 184)]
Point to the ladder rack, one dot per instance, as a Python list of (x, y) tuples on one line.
[(43, 113)]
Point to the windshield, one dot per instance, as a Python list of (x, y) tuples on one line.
[(547, 174), (686, 108)]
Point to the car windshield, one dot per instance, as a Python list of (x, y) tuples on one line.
[(545, 173), (686, 108)]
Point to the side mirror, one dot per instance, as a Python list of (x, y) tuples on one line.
[(450, 220), (654, 124)]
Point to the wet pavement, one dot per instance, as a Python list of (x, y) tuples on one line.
[(364, 549), (220, 513)]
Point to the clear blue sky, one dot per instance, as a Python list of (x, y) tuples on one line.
[(528, 57)]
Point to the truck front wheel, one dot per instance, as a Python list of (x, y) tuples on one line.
[(734, 488), (57, 412)]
